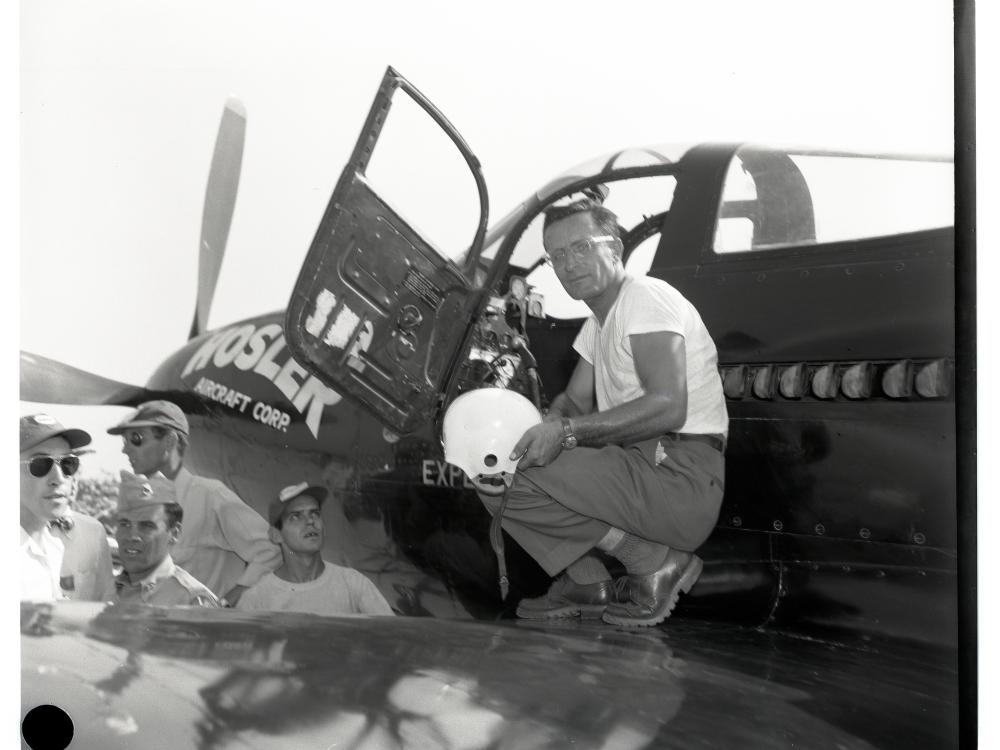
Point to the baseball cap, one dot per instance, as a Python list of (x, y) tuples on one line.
[(277, 506), (37, 428), (154, 414), (138, 490)]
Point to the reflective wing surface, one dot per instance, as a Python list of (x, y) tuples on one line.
[(150, 677)]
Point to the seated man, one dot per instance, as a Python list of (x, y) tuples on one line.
[(646, 484), (147, 524), (305, 582)]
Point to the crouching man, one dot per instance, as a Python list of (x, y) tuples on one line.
[(645, 405), (147, 525), (305, 582)]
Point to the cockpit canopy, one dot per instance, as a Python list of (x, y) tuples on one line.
[(770, 200)]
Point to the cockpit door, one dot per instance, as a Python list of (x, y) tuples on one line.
[(377, 313)]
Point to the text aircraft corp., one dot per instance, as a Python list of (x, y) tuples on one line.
[(827, 612)]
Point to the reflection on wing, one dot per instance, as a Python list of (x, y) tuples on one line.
[(147, 676)]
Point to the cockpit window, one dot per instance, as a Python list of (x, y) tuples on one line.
[(774, 199), (419, 173), (651, 156)]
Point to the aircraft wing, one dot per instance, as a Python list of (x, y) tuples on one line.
[(140, 676), (51, 382)]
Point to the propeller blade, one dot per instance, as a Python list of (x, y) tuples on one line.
[(220, 199), (51, 382)]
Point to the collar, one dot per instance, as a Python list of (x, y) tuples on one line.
[(39, 547), (181, 482), (626, 280), (164, 570), (64, 523)]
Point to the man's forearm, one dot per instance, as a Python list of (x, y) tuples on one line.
[(645, 417)]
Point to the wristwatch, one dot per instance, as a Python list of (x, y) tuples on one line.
[(569, 439)]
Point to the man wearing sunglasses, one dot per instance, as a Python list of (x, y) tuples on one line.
[(223, 542), (645, 406), (64, 553)]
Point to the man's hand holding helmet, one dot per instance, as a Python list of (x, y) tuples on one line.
[(540, 444), (479, 431)]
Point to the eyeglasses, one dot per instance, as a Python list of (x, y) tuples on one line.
[(577, 250), (40, 466), (136, 438)]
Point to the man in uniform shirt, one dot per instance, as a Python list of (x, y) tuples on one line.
[(64, 553), (224, 541), (147, 525), (305, 582)]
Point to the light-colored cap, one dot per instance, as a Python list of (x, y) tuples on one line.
[(138, 490), (37, 428), (277, 506)]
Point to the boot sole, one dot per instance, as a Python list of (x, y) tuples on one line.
[(684, 585)]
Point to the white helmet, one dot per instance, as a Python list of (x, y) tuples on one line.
[(481, 428)]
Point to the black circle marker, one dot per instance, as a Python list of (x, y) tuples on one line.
[(47, 728)]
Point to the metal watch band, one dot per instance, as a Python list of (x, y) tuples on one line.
[(569, 440)]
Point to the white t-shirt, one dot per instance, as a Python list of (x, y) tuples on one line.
[(337, 591), (647, 305)]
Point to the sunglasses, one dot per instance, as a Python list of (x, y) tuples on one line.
[(40, 466), (137, 438)]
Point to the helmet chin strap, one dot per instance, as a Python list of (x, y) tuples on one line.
[(481, 428), (496, 536)]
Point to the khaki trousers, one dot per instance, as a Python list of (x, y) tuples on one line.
[(559, 512)]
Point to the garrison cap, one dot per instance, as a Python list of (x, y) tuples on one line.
[(37, 428), (154, 414), (277, 506), (138, 491)]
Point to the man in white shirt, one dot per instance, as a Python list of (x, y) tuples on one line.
[(305, 582), (50, 459), (646, 407), (86, 573), (223, 542)]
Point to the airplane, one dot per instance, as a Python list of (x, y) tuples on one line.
[(827, 614)]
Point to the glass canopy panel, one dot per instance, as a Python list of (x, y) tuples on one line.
[(773, 199)]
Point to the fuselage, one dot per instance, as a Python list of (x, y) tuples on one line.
[(836, 359)]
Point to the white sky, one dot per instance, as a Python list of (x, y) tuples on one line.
[(120, 102)]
